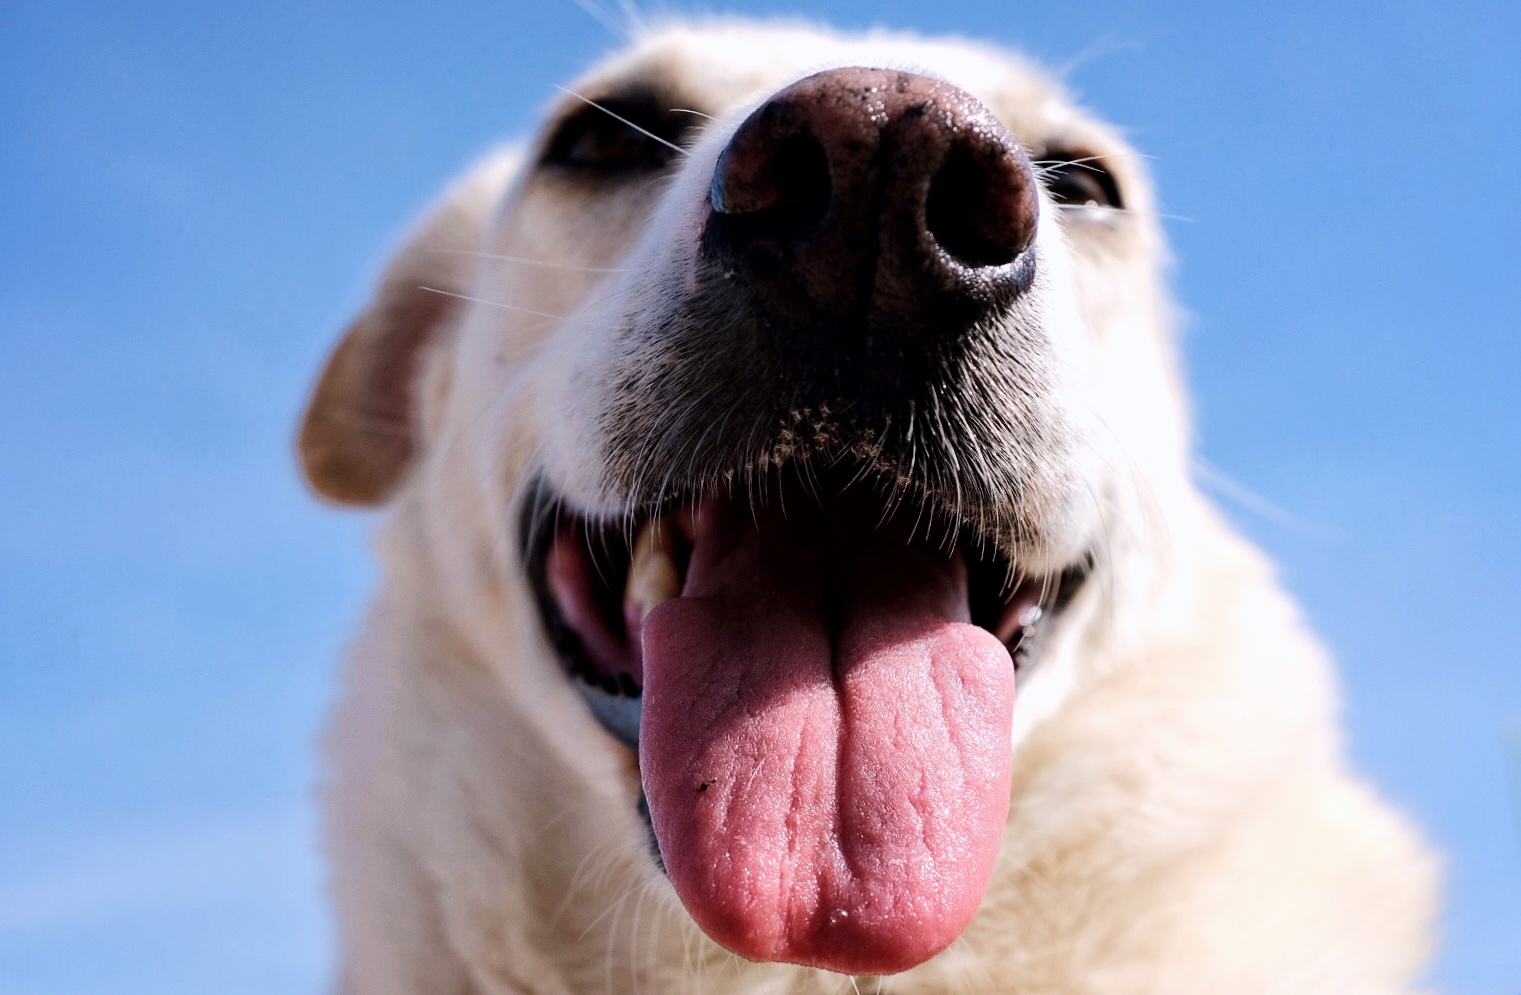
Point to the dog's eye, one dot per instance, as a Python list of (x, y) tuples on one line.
[(1078, 179), (618, 135)]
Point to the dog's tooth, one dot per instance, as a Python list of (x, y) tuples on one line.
[(652, 574)]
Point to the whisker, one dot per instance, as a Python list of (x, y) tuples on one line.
[(1111, 209), (1099, 48), (1093, 158), (1237, 493), (604, 18), (496, 304), (688, 110), (526, 261), (634, 17), (619, 117)]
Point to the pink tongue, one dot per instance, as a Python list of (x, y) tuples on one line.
[(825, 742)]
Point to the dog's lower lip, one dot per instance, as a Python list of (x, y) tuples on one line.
[(596, 581)]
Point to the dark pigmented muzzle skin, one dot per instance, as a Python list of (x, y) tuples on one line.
[(863, 290), (872, 213)]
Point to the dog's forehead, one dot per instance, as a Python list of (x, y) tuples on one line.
[(718, 67)]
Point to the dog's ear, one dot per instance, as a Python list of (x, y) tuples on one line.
[(359, 432)]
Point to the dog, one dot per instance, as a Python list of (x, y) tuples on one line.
[(745, 440)]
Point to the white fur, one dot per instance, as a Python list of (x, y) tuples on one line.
[(1182, 820)]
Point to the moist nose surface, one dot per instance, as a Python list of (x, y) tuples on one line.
[(876, 202)]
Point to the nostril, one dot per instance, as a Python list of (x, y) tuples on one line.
[(870, 201), (772, 188), (981, 207)]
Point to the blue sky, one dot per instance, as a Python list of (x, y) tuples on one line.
[(194, 198)]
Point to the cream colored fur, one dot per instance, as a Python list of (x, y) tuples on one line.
[(1182, 820)]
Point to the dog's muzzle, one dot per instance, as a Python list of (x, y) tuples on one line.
[(861, 287), (808, 621)]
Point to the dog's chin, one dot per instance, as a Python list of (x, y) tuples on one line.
[(818, 673)]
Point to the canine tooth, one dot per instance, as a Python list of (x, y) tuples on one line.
[(652, 575)]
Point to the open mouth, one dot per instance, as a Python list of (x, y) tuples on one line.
[(596, 581), (819, 680)]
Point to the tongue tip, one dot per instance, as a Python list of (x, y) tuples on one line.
[(846, 949), (873, 938)]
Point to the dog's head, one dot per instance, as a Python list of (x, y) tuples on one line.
[(784, 399)]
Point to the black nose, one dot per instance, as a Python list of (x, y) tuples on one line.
[(876, 200)]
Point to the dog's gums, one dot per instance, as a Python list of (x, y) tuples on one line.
[(820, 685)]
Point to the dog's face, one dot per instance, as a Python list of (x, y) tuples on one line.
[(795, 395)]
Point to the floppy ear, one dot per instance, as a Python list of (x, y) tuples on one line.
[(359, 432)]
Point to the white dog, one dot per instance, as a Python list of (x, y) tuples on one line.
[(744, 440)]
